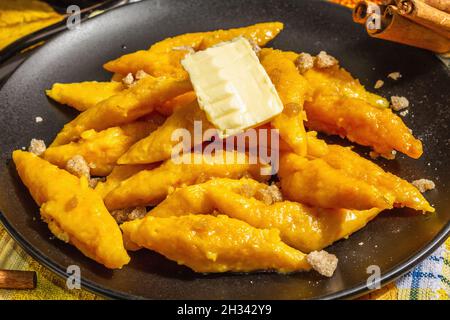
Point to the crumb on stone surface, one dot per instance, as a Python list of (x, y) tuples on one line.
[(323, 262), (424, 185), (399, 103), (39, 119), (324, 60), (37, 147), (394, 75), (128, 80), (304, 62), (379, 84), (78, 166), (129, 214)]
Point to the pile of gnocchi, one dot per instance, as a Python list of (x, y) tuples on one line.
[(108, 183)]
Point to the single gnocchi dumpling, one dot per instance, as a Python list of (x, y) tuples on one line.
[(302, 227), (164, 57), (212, 244), (74, 212)]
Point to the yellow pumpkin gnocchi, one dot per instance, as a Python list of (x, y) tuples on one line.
[(293, 90), (164, 58), (101, 149), (159, 144), (149, 187), (206, 243), (124, 107), (84, 95), (74, 212)]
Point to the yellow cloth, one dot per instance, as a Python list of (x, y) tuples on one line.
[(49, 286), (21, 17)]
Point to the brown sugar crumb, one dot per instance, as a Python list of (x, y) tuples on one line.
[(37, 147), (247, 191), (137, 213), (78, 167), (394, 75), (324, 60), (129, 214), (264, 195), (424, 185), (323, 262), (141, 74), (379, 84), (304, 62), (275, 193), (128, 80), (399, 103)]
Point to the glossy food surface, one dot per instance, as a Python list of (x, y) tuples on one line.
[(394, 240)]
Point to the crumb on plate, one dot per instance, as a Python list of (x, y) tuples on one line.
[(78, 166), (128, 80), (379, 84), (324, 60), (323, 262), (129, 214), (37, 147), (269, 195), (304, 62), (394, 75), (399, 103), (141, 74), (424, 185)]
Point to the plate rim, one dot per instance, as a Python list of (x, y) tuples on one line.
[(349, 293)]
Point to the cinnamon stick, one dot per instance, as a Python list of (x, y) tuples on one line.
[(395, 27), (364, 9), (360, 12), (426, 15), (10, 279), (443, 5)]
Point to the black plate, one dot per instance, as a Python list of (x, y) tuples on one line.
[(395, 241)]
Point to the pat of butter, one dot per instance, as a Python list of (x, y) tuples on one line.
[(232, 86)]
